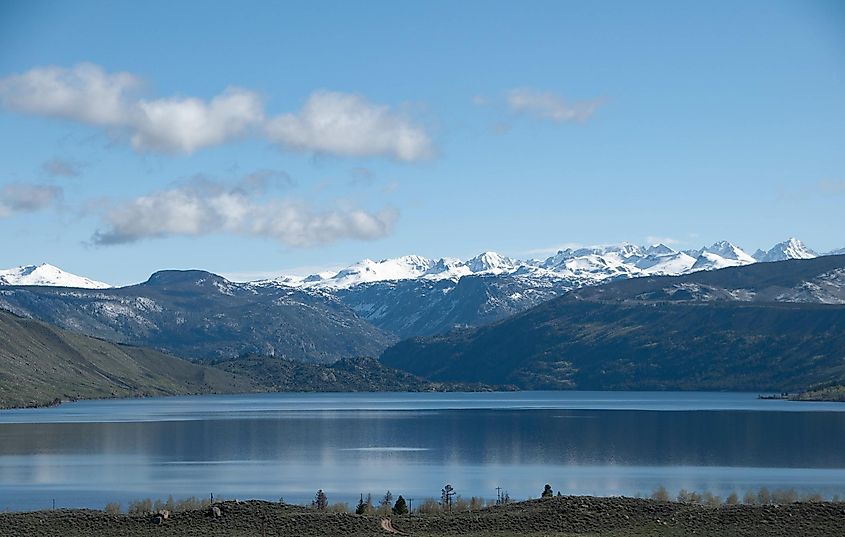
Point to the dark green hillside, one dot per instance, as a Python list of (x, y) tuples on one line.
[(199, 315), (40, 363), (346, 375), (685, 332)]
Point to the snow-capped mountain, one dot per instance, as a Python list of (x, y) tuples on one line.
[(789, 249), (414, 295), (46, 274), (580, 266)]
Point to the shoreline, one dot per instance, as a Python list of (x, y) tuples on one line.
[(34, 405), (559, 516)]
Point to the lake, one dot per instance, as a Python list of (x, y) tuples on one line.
[(273, 446)]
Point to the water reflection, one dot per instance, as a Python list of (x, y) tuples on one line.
[(283, 452)]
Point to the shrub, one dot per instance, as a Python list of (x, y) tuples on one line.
[(711, 500), (340, 507), (429, 506), (140, 507), (684, 496), (547, 491), (785, 496), (113, 508), (763, 497), (732, 499), (660, 494)]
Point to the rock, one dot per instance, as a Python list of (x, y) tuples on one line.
[(164, 513), (157, 520), (216, 512)]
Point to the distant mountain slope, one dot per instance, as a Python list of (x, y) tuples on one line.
[(199, 315), (744, 328), (45, 274), (415, 296), (40, 363), (345, 375), (426, 307)]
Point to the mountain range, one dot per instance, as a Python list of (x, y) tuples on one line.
[(357, 311), (767, 326), (198, 315)]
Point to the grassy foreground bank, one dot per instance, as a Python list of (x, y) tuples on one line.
[(561, 516)]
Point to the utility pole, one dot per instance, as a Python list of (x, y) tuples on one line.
[(498, 495), (410, 506)]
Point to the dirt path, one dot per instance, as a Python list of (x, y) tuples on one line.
[(387, 526)]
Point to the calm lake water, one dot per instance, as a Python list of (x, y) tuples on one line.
[(269, 446)]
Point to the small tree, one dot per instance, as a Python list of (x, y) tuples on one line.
[(446, 495), (400, 507), (321, 501), (547, 492), (387, 499), (365, 506)]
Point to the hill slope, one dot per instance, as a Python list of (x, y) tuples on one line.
[(199, 315), (744, 328), (40, 363)]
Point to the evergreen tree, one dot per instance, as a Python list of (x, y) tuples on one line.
[(320, 502), (547, 492), (446, 497), (388, 499), (400, 508)]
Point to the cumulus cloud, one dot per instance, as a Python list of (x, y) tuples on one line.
[(86, 93), (187, 124), (547, 105), (27, 198), (62, 167), (203, 207), (342, 124), (329, 122)]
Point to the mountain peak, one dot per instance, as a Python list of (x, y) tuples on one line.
[(181, 278), (791, 248), (47, 275), (490, 262)]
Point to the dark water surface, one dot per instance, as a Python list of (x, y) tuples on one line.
[(269, 446)]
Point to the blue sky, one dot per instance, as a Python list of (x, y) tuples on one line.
[(249, 138)]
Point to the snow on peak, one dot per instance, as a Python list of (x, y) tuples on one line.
[(729, 251), (490, 262), (400, 268), (584, 265), (46, 274), (791, 248)]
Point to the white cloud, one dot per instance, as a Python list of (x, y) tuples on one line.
[(547, 105), (330, 122), (187, 124), (26, 198), (203, 207), (349, 125), (84, 93)]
